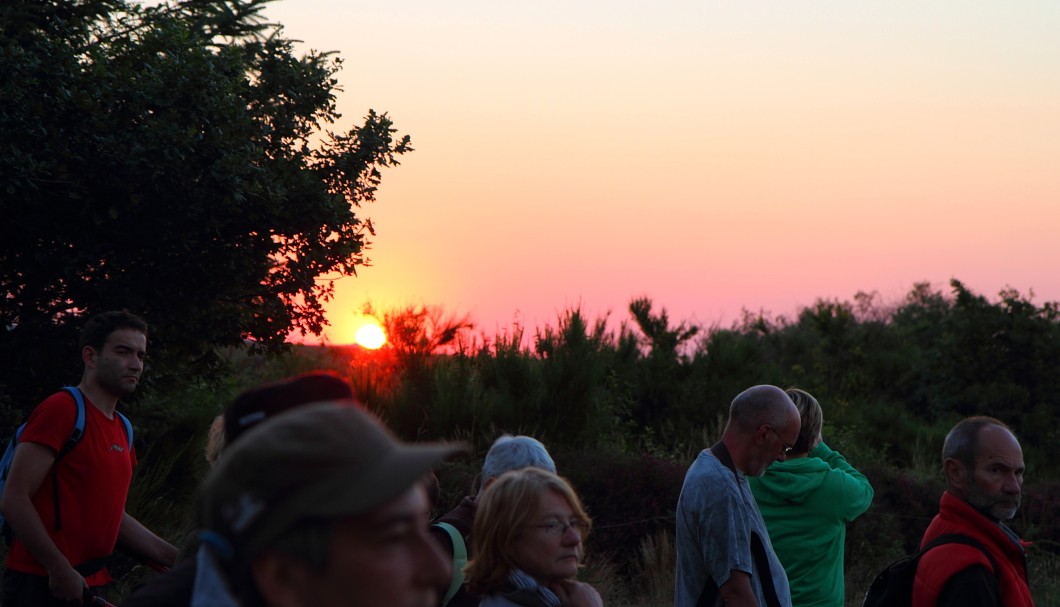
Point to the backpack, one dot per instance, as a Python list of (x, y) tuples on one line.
[(459, 560), (893, 587), (75, 437)]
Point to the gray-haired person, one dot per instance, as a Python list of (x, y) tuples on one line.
[(982, 461), (453, 530)]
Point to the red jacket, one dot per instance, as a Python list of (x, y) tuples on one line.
[(939, 564)]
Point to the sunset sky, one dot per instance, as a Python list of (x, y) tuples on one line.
[(714, 156)]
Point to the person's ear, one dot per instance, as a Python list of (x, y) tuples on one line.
[(762, 434), (88, 356), (280, 579), (956, 473)]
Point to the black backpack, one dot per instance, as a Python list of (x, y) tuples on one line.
[(893, 587)]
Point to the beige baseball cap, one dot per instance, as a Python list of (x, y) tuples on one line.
[(319, 461)]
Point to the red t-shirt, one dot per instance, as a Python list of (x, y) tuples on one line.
[(93, 484)]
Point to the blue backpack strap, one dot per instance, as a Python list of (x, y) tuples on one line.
[(459, 560), (9, 453), (5, 467), (128, 429), (75, 437), (79, 421)]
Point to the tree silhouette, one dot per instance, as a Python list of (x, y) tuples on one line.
[(171, 160)]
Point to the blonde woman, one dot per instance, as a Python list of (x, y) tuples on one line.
[(527, 541)]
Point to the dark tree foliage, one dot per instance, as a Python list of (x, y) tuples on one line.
[(982, 358), (897, 379), (172, 160), (663, 362)]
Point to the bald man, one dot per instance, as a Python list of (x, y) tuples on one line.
[(723, 551)]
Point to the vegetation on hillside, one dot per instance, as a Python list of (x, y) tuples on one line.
[(625, 410)]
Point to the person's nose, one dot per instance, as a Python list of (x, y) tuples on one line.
[(571, 536), (1013, 484)]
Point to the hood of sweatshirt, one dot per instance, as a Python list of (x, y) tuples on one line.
[(790, 481)]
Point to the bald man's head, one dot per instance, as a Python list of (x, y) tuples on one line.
[(763, 427)]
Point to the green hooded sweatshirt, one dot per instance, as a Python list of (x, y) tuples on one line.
[(806, 503)]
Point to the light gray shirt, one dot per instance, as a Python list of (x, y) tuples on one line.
[(716, 515)]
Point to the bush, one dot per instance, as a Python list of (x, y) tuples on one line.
[(630, 498)]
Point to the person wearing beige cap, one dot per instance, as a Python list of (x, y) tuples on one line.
[(320, 506), (174, 588)]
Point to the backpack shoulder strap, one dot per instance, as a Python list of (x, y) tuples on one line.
[(967, 540), (79, 421), (459, 560), (9, 453), (769, 589), (128, 428), (75, 437)]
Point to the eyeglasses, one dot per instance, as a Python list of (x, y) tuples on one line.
[(556, 528), (787, 448)]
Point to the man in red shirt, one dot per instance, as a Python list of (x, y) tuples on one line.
[(65, 528), (983, 464)]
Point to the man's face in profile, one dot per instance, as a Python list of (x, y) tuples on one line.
[(996, 483)]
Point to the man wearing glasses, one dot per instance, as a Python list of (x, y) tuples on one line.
[(723, 550)]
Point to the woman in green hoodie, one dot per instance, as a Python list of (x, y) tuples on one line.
[(806, 501)]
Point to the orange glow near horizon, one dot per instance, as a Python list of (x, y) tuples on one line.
[(358, 328)]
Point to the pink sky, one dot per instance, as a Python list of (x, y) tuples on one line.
[(712, 156)]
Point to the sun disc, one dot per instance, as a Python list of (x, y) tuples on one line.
[(370, 336)]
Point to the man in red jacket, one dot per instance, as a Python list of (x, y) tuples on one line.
[(983, 464)]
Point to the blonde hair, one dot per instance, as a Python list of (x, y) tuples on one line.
[(502, 515), (812, 420)]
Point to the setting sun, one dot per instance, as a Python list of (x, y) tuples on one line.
[(370, 335)]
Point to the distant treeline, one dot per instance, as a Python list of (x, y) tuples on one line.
[(891, 377), (625, 409)]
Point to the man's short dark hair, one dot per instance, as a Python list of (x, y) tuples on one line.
[(99, 327), (962, 442)]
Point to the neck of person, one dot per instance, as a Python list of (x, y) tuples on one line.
[(98, 396), (737, 451)]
